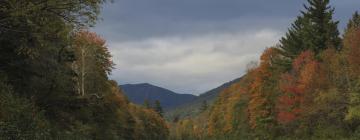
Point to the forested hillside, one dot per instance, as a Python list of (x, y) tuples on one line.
[(54, 77), (198, 105), (306, 87), (141, 93)]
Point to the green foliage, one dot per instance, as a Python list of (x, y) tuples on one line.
[(292, 44), (314, 30), (354, 22), (19, 119), (321, 31), (41, 46), (158, 108), (204, 106), (149, 124), (147, 104), (354, 110)]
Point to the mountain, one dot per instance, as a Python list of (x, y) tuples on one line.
[(192, 108), (138, 93)]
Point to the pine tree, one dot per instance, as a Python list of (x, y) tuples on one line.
[(147, 104), (292, 44), (314, 30), (158, 108), (354, 22), (322, 31), (204, 106)]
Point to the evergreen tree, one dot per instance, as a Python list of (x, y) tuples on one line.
[(158, 108), (314, 30), (292, 44), (176, 119), (204, 106), (147, 104), (354, 22), (322, 31)]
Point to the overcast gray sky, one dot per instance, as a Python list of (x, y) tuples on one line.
[(191, 46)]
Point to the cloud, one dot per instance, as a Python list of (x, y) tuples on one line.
[(140, 19), (191, 46), (189, 64)]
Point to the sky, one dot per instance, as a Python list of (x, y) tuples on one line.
[(192, 46)]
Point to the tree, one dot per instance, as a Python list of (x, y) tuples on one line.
[(149, 124), (351, 52), (228, 117), (176, 119), (36, 54), (19, 118), (158, 108), (322, 31), (93, 63), (314, 30), (263, 93), (292, 44), (45, 50), (147, 104), (204, 106), (354, 22), (294, 86)]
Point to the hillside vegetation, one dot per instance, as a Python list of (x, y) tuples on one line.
[(54, 77), (306, 87), (197, 106)]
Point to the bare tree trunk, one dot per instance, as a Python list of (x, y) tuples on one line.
[(75, 67)]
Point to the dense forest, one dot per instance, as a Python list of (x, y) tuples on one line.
[(54, 77), (305, 87), (54, 82)]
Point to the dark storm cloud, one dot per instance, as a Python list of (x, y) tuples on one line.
[(129, 19)]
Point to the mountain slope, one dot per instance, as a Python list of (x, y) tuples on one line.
[(192, 108), (138, 93)]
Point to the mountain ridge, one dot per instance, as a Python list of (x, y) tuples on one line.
[(192, 108), (138, 93)]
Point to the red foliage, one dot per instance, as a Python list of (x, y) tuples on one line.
[(303, 59), (286, 117), (294, 86)]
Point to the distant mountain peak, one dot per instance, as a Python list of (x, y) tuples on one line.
[(192, 108), (144, 84), (138, 93), (140, 84)]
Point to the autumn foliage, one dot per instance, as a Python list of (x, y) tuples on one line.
[(257, 107), (315, 96), (294, 86)]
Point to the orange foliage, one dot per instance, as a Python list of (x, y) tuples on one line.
[(352, 49), (295, 86), (258, 102), (86, 40), (224, 113), (88, 37)]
